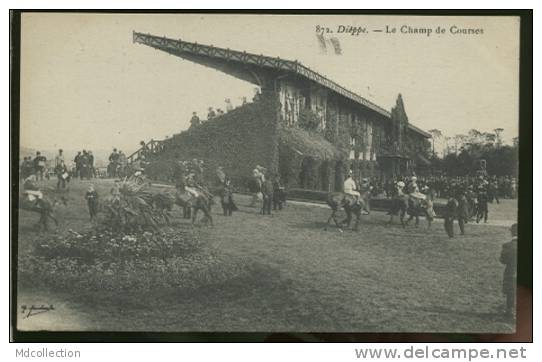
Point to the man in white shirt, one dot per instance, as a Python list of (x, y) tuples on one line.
[(350, 186)]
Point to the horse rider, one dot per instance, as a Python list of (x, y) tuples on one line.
[(190, 184), (350, 187), (399, 189), (31, 190), (194, 188), (414, 190)]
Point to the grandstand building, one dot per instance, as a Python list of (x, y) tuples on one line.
[(303, 126)]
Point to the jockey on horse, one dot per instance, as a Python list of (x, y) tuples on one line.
[(409, 199), (413, 190), (352, 188)]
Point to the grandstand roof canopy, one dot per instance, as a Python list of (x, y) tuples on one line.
[(205, 54)]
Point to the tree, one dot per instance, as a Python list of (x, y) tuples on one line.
[(435, 134), (474, 136), (447, 146), (459, 141), (498, 132), (490, 138)]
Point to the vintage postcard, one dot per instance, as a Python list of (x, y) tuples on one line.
[(267, 173)]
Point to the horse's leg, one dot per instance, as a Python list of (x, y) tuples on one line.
[(207, 212), (42, 223), (51, 216), (409, 219), (402, 217), (336, 222), (330, 217), (417, 220), (348, 219), (358, 218), (194, 214)]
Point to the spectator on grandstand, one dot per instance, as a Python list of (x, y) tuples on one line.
[(194, 121), (211, 113), (229, 106)]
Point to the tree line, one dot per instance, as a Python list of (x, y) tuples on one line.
[(463, 154)]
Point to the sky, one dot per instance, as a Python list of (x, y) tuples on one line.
[(85, 84)]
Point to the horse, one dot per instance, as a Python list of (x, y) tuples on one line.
[(336, 200), (163, 203), (414, 207), (44, 207)]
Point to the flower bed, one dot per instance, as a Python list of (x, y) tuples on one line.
[(113, 262)]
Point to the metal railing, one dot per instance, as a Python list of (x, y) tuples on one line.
[(150, 148)]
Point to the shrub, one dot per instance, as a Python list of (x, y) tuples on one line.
[(116, 262), (129, 208)]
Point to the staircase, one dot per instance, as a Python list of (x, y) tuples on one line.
[(151, 148)]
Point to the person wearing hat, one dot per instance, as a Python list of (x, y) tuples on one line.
[(59, 158), (113, 163), (509, 259), (414, 190), (61, 172), (92, 201), (39, 165), (450, 213), (194, 121), (462, 213), (482, 200), (211, 113), (229, 106), (399, 186), (228, 205), (350, 187), (190, 184)]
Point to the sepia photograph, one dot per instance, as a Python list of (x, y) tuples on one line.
[(309, 173)]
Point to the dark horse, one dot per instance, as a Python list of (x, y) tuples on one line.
[(184, 199), (44, 207), (336, 200), (412, 206)]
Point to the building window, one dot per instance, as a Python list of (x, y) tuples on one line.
[(352, 148)]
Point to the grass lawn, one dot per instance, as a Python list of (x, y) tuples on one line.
[(380, 279)]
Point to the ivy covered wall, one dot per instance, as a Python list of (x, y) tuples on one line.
[(238, 140)]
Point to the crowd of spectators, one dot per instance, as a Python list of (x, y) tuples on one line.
[(444, 187)]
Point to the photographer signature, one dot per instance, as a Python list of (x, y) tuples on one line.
[(33, 310)]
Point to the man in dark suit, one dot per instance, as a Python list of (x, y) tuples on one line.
[(456, 208), (40, 165), (462, 211), (267, 192)]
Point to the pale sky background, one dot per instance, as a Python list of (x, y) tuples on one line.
[(84, 84)]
